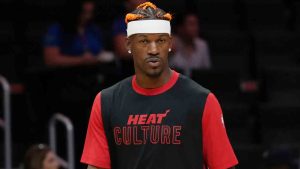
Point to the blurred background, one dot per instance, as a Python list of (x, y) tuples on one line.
[(58, 54)]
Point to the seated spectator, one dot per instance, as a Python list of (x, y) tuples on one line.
[(190, 50), (76, 40), (119, 38), (40, 156)]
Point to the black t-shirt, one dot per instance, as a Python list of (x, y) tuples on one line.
[(160, 128)]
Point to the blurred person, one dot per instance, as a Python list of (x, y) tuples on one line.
[(76, 40), (157, 118), (119, 38), (40, 156), (190, 50)]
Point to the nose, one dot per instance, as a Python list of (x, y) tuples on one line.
[(153, 49)]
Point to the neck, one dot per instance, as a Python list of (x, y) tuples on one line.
[(149, 82)]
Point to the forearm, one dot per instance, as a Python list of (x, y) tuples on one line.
[(53, 57), (63, 60)]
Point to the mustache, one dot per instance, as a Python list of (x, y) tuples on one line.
[(152, 58)]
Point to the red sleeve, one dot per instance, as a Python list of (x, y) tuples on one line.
[(217, 150), (95, 152)]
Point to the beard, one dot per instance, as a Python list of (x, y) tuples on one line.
[(152, 72)]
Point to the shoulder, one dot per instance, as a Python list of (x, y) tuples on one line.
[(191, 86), (191, 93), (117, 88)]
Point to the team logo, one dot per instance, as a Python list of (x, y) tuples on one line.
[(147, 129)]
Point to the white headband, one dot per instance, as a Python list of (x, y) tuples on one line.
[(148, 26)]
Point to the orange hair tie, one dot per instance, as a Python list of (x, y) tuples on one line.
[(132, 17), (147, 4), (168, 16)]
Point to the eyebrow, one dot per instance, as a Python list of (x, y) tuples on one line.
[(143, 36)]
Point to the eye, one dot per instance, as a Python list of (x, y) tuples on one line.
[(161, 40), (144, 41)]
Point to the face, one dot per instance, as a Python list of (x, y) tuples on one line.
[(150, 53), (51, 161), (87, 12), (191, 26)]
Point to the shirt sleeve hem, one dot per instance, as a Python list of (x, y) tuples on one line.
[(226, 165)]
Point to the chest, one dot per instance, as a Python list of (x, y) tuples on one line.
[(154, 120), (166, 110)]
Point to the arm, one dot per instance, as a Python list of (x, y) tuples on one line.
[(54, 58), (217, 150), (96, 150)]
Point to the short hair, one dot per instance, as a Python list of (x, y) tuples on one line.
[(147, 11), (35, 156)]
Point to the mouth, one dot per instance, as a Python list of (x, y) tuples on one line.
[(153, 61)]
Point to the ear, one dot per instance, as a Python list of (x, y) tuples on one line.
[(171, 42), (128, 43)]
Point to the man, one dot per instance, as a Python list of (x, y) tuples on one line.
[(157, 119)]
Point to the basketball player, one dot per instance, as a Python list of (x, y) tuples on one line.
[(157, 119)]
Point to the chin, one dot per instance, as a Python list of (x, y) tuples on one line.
[(154, 72)]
